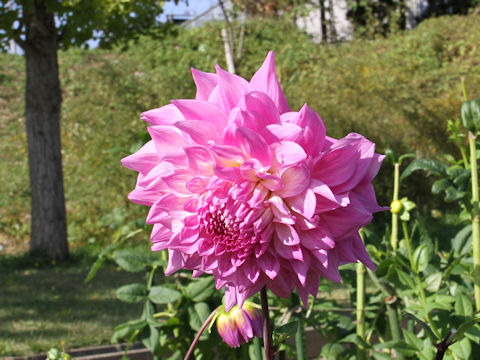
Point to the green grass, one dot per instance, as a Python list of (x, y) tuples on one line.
[(46, 305)]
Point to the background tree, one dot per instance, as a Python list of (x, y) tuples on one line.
[(41, 28)]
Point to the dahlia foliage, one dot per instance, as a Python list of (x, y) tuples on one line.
[(245, 189)]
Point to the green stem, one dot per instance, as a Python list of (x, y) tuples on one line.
[(464, 156), (418, 279), (396, 187), (361, 355), (300, 334), (267, 333), (150, 277), (391, 311), (257, 349), (475, 220)]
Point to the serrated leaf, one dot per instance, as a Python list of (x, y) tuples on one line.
[(428, 165), (132, 293), (421, 257), (433, 282), (198, 313), (463, 305), (201, 290), (130, 260), (163, 295)]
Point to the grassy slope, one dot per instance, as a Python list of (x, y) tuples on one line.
[(398, 91)]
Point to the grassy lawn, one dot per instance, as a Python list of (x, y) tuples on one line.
[(50, 305)]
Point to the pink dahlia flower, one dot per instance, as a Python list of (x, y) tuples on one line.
[(239, 326), (242, 188)]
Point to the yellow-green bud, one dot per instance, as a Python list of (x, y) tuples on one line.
[(396, 207)]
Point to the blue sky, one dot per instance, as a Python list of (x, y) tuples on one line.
[(194, 7)]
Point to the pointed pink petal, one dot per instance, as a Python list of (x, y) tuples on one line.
[(200, 131), (165, 115), (231, 88), (265, 80), (205, 83), (313, 130), (287, 234), (263, 110), (284, 132), (289, 153), (201, 110), (145, 159), (304, 203), (199, 160), (269, 265)]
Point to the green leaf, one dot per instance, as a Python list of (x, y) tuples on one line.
[(440, 185), (421, 257), (124, 331), (332, 351), (464, 327), (177, 355), (151, 339), (286, 330), (399, 346), (470, 112), (428, 165), (462, 349), (201, 290), (198, 313), (355, 339), (102, 257), (429, 331), (453, 194), (131, 261), (433, 282), (132, 293), (163, 295), (461, 240), (381, 356), (413, 339), (463, 305)]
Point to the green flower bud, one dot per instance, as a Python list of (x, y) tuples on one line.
[(396, 207)]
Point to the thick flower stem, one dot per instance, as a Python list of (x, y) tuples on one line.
[(361, 355), (396, 187), (267, 335), (418, 279), (475, 220), (200, 332), (300, 343)]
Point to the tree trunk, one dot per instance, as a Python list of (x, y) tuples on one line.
[(43, 101)]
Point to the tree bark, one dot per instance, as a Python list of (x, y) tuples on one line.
[(42, 112)]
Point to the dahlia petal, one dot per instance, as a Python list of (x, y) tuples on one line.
[(262, 109), (254, 145), (231, 88), (283, 284), (269, 265), (201, 110), (304, 203), (287, 234), (289, 153), (313, 130), (167, 139), (336, 167), (200, 131), (284, 132), (361, 253), (143, 197), (230, 297), (196, 185), (177, 181), (295, 180), (205, 83), (143, 160), (280, 211), (374, 167), (160, 233), (199, 160), (175, 262), (251, 270), (165, 115), (319, 238), (265, 80), (322, 256), (291, 252)]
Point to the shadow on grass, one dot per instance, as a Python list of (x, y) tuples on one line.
[(44, 305)]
